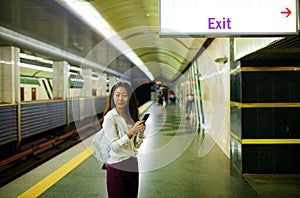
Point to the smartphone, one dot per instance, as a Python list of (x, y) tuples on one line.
[(146, 116)]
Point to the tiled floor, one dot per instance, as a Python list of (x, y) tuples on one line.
[(184, 175)]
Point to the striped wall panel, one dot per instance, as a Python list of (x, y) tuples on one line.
[(37, 118), (40, 117), (88, 110), (74, 110), (58, 112), (8, 124), (100, 105)]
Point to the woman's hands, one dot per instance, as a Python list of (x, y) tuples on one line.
[(138, 128)]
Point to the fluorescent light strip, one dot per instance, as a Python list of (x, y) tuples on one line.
[(30, 57), (73, 73), (88, 13), (35, 67), (75, 68)]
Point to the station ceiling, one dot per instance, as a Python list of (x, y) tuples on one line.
[(135, 21)]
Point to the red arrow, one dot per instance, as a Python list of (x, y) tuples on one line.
[(288, 12)]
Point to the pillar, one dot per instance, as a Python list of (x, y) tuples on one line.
[(112, 80), (60, 79), (10, 74), (87, 85), (265, 121), (101, 85)]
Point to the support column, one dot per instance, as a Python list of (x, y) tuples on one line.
[(101, 85), (87, 85), (10, 74), (265, 122), (112, 81), (60, 79)]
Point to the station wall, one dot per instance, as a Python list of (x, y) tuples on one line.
[(212, 69)]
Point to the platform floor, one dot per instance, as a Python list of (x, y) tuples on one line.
[(75, 173)]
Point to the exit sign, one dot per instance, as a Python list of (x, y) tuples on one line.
[(228, 17)]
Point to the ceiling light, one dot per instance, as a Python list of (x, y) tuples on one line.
[(87, 13), (221, 60)]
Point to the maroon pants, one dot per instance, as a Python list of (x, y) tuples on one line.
[(122, 179)]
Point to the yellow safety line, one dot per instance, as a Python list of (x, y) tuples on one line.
[(55, 176), (264, 105), (145, 106)]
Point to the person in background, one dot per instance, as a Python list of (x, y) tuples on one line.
[(160, 98), (121, 111), (172, 97), (189, 104)]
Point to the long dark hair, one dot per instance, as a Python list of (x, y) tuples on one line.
[(132, 107)]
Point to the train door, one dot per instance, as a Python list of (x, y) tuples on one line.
[(94, 92), (33, 93), (22, 93)]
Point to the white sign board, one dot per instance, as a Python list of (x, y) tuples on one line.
[(228, 17)]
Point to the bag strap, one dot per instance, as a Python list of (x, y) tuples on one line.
[(116, 126), (117, 130)]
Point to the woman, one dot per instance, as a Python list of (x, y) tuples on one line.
[(125, 132)]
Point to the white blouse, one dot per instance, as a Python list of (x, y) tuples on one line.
[(122, 147)]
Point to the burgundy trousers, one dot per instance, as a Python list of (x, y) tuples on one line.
[(122, 179)]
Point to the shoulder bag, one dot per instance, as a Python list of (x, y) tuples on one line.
[(102, 145)]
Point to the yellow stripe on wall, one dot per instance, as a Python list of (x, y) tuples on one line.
[(264, 105), (263, 69), (235, 137), (265, 141), (270, 141)]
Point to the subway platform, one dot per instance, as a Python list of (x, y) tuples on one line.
[(177, 172)]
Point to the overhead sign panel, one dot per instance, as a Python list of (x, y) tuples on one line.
[(228, 17)]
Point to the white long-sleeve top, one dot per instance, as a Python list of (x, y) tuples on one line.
[(122, 147)]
